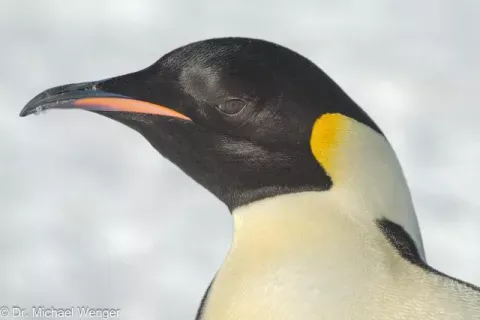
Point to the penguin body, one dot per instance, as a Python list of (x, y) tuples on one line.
[(324, 223), (359, 276)]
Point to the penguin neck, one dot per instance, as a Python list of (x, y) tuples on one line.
[(306, 239), (306, 223), (302, 242)]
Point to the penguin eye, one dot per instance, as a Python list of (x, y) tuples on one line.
[(232, 106)]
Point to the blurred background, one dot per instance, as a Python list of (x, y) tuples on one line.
[(92, 215)]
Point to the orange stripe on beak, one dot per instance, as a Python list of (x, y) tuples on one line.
[(129, 105)]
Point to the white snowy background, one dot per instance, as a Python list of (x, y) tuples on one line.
[(91, 215)]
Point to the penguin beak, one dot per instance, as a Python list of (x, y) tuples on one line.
[(87, 96)]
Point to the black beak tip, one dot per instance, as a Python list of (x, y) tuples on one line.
[(25, 112), (58, 97), (28, 110), (33, 106)]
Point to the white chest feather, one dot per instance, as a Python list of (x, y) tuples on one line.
[(323, 265)]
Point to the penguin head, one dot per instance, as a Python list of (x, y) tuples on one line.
[(245, 118)]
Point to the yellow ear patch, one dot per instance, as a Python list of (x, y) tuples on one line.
[(328, 133)]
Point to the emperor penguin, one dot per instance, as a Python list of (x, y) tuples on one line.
[(324, 225)]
